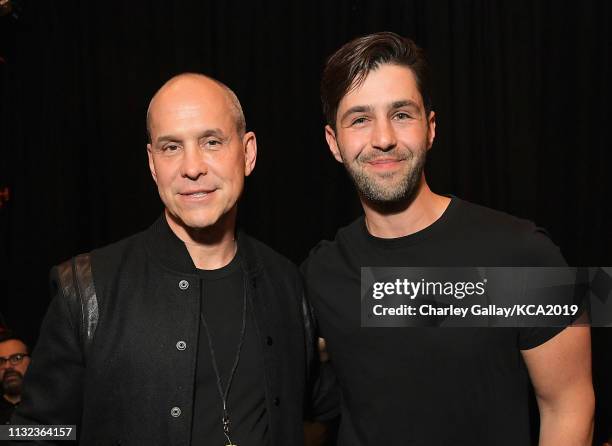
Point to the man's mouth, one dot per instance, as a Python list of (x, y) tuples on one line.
[(8, 375), (384, 161), (196, 194), (384, 164)]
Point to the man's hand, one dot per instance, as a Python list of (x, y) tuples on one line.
[(560, 370)]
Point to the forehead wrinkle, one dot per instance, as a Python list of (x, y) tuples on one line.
[(183, 120)]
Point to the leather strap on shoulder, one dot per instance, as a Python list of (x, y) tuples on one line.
[(310, 335), (76, 282)]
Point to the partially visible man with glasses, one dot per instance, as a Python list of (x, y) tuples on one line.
[(14, 361)]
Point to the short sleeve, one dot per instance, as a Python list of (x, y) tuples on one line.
[(539, 251)]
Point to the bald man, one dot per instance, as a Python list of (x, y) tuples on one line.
[(195, 333)]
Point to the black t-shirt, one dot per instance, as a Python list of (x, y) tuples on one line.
[(428, 386), (222, 306)]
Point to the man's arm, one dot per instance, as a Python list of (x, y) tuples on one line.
[(323, 396), (560, 370), (52, 388)]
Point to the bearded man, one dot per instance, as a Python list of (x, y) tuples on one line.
[(427, 386)]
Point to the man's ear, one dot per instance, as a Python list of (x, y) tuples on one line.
[(431, 129), (250, 152), (151, 163), (330, 137)]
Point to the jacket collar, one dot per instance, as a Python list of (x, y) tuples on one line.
[(167, 249)]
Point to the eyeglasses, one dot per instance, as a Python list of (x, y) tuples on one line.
[(13, 359)]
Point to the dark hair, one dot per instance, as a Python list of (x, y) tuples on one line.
[(8, 335), (348, 67)]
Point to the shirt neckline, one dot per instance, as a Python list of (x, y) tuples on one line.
[(416, 237), (215, 274)]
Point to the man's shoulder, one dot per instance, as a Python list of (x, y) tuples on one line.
[(105, 262), (491, 229), (122, 247), (330, 251), (109, 260), (279, 275), (111, 252), (265, 252), (486, 220), (492, 220), (266, 257)]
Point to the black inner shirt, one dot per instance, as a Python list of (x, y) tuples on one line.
[(222, 306)]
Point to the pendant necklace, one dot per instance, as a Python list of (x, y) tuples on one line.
[(225, 419)]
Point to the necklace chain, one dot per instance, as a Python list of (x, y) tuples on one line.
[(225, 419)]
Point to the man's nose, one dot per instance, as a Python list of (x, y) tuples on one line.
[(193, 163), (383, 135)]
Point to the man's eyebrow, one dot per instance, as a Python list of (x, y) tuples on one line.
[(405, 103), (206, 133), (356, 109), (166, 138)]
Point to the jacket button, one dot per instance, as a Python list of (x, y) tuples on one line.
[(175, 412), (181, 345), (183, 284), (276, 401), (269, 340)]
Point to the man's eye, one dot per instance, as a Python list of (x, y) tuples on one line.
[(359, 121), (170, 148), (213, 143), (401, 116)]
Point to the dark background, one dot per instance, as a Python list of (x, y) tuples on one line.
[(521, 91)]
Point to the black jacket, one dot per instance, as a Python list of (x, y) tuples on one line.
[(135, 386)]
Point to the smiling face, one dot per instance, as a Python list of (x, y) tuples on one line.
[(382, 134), (198, 155)]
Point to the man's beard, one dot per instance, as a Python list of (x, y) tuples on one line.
[(389, 188), (12, 387)]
